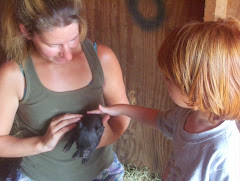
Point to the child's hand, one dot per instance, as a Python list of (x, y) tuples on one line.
[(110, 110)]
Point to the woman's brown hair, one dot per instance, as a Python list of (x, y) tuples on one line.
[(36, 16)]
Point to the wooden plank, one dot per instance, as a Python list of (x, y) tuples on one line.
[(215, 9), (233, 8)]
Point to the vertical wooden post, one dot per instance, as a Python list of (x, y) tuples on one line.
[(215, 9)]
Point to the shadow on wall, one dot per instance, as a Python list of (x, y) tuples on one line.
[(147, 24)]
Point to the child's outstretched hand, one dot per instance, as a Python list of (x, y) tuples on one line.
[(147, 116), (108, 110)]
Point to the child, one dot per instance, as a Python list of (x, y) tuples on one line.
[(201, 63)]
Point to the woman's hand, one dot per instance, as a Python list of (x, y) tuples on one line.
[(56, 130)]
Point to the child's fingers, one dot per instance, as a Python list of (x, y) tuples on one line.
[(96, 111), (100, 110), (103, 109)]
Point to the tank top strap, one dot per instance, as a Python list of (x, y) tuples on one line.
[(25, 87), (90, 50)]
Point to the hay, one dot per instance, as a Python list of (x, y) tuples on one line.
[(132, 173)]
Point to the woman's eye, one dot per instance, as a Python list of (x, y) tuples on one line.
[(52, 46)]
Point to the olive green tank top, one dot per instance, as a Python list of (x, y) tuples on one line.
[(37, 109)]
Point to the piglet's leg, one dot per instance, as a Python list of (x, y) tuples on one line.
[(69, 144), (76, 155), (85, 159)]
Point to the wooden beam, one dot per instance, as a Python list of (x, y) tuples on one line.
[(215, 9)]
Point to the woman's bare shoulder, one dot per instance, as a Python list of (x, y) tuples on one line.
[(105, 54), (10, 70), (11, 77)]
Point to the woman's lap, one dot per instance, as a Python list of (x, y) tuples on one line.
[(17, 176), (114, 173)]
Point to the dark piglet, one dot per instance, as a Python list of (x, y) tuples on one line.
[(87, 136)]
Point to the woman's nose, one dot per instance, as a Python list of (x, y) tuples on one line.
[(66, 53)]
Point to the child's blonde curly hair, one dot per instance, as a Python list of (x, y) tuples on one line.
[(203, 60)]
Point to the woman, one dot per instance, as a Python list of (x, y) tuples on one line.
[(53, 75)]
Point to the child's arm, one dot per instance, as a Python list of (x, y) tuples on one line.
[(143, 115)]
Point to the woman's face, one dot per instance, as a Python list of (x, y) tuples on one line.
[(57, 45), (176, 95)]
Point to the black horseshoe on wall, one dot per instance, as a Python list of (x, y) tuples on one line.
[(147, 24)]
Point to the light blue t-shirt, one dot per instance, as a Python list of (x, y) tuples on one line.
[(212, 155)]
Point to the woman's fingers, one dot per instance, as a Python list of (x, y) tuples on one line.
[(60, 133), (64, 123), (57, 128), (60, 118)]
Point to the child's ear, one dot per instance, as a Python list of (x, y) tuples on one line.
[(24, 31)]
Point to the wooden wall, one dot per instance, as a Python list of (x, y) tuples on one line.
[(2, 57), (111, 24), (233, 8), (221, 8)]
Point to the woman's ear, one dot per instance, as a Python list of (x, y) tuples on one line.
[(24, 31)]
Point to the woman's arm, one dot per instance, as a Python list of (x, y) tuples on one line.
[(11, 86), (114, 93), (11, 91)]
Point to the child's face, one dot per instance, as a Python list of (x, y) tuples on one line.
[(176, 94)]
